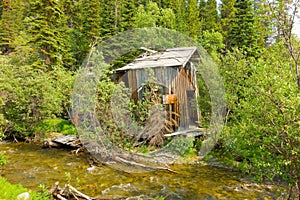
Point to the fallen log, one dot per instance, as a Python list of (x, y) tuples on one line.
[(63, 141)]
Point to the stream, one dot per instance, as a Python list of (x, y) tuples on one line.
[(31, 165)]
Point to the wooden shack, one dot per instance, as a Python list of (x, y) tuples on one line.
[(174, 70)]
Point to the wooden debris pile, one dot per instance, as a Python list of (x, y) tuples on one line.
[(68, 192), (157, 125)]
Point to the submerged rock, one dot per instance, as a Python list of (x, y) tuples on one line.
[(23, 196)]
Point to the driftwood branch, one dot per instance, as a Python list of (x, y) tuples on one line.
[(60, 197), (79, 193), (68, 192)]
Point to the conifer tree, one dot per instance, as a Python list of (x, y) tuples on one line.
[(128, 10), (48, 32), (209, 15), (162, 3), (86, 28), (11, 24), (243, 33), (192, 18), (179, 8), (110, 15), (228, 11), (168, 18)]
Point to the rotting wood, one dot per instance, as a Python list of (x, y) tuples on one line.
[(70, 141)]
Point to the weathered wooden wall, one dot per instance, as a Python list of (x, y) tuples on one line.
[(175, 80)]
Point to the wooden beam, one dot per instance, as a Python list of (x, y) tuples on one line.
[(187, 133)]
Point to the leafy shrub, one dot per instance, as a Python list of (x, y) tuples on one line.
[(55, 125), (31, 94), (262, 130)]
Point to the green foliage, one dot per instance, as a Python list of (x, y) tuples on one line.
[(212, 42), (68, 177), (148, 97), (152, 16), (40, 41), (107, 93), (42, 194), (11, 25), (54, 125), (128, 10), (30, 95), (243, 32), (182, 146), (209, 15), (3, 158), (193, 29), (179, 9), (110, 16), (228, 11), (9, 191), (3, 121), (262, 131), (86, 28), (48, 33)]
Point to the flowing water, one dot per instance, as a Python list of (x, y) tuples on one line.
[(31, 166)]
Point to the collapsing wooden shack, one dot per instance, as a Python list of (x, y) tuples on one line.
[(174, 70)]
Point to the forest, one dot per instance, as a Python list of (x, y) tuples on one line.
[(43, 44)]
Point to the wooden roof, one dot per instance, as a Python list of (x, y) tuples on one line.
[(167, 58)]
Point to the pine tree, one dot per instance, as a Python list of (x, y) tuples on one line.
[(128, 10), (86, 30), (168, 18), (162, 3), (91, 18), (11, 24), (110, 16), (192, 19), (243, 33), (179, 8), (228, 11), (209, 15), (48, 32)]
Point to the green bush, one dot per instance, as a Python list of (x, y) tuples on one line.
[(262, 130), (31, 94), (55, 125)]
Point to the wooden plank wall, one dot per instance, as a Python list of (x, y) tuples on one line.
[(176, 80)]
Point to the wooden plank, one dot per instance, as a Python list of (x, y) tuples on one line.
[(187, 133)]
